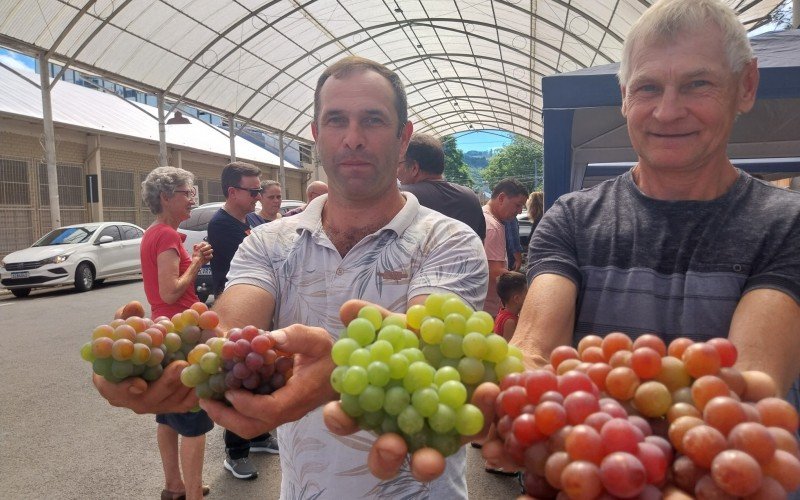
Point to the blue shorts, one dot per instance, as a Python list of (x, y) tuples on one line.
[(189, 424)]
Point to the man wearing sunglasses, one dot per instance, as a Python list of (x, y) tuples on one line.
[(241, 186)]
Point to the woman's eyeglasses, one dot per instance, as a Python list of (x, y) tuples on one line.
[(253, 192), (190, 193)]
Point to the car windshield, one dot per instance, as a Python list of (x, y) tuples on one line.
[(66, 236)]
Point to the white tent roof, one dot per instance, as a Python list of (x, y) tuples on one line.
[(465, 63), (81, 108)]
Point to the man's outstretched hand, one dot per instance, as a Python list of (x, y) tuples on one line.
[(308, 388), (165, 395)]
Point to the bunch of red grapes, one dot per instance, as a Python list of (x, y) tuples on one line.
[(134, 346), (617, 418), (246, 359)]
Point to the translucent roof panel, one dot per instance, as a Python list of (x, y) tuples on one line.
[(466, 64)]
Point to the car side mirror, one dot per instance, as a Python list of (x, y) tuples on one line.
[(105, 239)]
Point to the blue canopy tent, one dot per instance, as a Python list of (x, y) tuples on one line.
[(586, 139)]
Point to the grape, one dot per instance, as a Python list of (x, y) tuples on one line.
[(342, 349), (623, 475), (621, 383), (443, 419), (432, 331), (652, 399), (360, 357), (355, 380), (471, 370), (775, 412), (475, 345), (426, 401), (453, 394), (614, 342), (373, 315), (581, 480), (395, 400), (415, 315), (724, 413), (398, 366), (378, 373), (469, 420), (420, 375), (410, 421), (701, 359), (444, 374), (736, 473), (371, 398), (455, 323), (392, 334), (451, 346), (785, 468), (584, 443), (562, 353), (361, 330), (702, 443)]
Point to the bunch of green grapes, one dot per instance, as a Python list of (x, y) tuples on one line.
[(140, 347), (246, 359), (392, 380)]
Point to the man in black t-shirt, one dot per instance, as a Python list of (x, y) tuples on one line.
[(421, 175), (241, 186)]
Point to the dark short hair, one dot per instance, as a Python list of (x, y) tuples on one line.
[(509, 283), (511, 187), (427, 151), (233, 172), (348, 65)]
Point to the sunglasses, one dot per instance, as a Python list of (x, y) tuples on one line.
[(253, 192)]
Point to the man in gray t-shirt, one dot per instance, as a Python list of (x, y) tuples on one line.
[(421, 172), (684, 244)]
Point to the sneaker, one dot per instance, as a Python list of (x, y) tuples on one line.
[(269, 445), (241, 468)]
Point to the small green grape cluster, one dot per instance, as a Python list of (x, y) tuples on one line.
[(141, 347), (391, 380)]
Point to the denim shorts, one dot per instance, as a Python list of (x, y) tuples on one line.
[(189, 424)]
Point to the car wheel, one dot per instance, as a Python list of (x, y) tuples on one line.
[(21, 292), (84, 277)]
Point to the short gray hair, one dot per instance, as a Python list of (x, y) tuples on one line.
[(163, 180), (666, 20)]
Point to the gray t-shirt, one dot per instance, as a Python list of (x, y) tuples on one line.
[(674, 268), (452, 200)]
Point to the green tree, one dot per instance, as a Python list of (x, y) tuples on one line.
[(521, 159), (455, 170)]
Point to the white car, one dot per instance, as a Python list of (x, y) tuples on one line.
[(196, 229), (83, 254)]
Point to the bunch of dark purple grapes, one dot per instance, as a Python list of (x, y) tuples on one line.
[(246, 359)]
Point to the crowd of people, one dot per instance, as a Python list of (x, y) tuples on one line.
[(683, 244)]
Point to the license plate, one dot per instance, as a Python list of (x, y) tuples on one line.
[(19, 274), (204, 271)]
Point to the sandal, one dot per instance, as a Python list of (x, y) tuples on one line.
[(175, 495)]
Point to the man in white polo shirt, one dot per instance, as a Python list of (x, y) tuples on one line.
[(363, 240)]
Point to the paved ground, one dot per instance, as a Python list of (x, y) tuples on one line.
[(59, 439)]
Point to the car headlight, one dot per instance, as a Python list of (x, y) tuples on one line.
[(3, 264), (58, 259)]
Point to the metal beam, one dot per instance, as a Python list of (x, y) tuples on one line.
[(49, 142), (162, 132)]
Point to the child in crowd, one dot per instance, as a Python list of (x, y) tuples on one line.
[(511, 288)]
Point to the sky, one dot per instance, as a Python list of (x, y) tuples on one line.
[(482, 140)]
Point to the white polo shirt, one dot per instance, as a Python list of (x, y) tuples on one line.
[(418, 252)]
